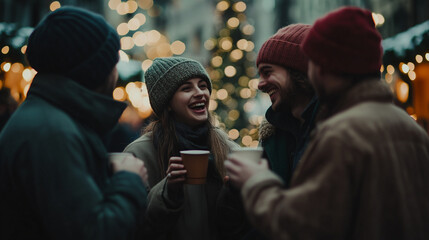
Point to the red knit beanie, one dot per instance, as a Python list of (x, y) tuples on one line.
[(283, 48), (345, 41)]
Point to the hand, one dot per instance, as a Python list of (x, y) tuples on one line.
[(176, 174), (129, 163), (240, 170), (226, 179)]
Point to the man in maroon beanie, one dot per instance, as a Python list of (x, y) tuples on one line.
[(283, 69), (365, 173)]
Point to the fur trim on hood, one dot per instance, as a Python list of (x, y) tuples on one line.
[(266, 130)]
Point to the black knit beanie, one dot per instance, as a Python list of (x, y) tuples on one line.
[(166, 75), (75, 43)]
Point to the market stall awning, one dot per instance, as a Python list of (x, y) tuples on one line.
[(406, 45)]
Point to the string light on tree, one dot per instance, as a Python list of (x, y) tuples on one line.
[(140, 43), (231, 68)]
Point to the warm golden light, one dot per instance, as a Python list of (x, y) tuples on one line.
[(145, 4), (230, 71), (122, 8), (239, 7), (402, 90), (388, 78), (134, 24), (253, 84), (164, 50), (141, 17), (236, 55), (178, 47), (222, 6), (233, 134), (151, 53), (123, 56), (411, 66), (427, 56), (5, 49), (248, 29), (127, 43), (404, 68), (132, 6), (119, 94), (6, 66), (212, 105), (254, 143), (122, 29), (217, 61), (25, 90), (412, 75), (242, 44), (27, 75), (233, 22), (222, 94), (243, 81), (146, 64), (390, 69), (382, 68), (233, 115), (245, 93), (225, 43), (209, 44), (378, 19), (247, 140), (153, 36), (419, 58), (113, 4), (17, 67), (54, 6), (145, 106), (140, 38), (24, 49), (249, 106), (250, 46)]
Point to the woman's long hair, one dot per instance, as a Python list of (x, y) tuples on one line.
[(164, 132)]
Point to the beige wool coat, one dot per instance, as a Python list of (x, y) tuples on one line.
[(165, 219), (364, 175)]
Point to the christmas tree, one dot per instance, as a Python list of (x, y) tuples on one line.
[(233, 72)]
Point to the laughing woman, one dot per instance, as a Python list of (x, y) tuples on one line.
[(179, 92)]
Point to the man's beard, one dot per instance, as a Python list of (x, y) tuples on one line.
[(288, 98)]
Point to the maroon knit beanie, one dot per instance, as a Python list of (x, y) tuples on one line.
[(283, 48), (345, 41)]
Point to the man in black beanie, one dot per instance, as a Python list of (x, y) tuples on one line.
[(56, 180)]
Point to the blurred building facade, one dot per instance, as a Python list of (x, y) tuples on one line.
[(400, 14), (195, 29)]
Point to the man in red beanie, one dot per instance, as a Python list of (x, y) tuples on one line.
[(365, 173), (283, 68)]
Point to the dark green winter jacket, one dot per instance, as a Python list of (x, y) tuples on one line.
[(54, 176), (284, 139)]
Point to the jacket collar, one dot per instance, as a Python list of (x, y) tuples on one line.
[(286, 121), (95, 110), (366, 90)]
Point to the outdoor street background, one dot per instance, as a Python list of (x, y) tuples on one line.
[(225, 36)]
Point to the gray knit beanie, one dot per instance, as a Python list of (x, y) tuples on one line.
[(166, 75), (75, 43)]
